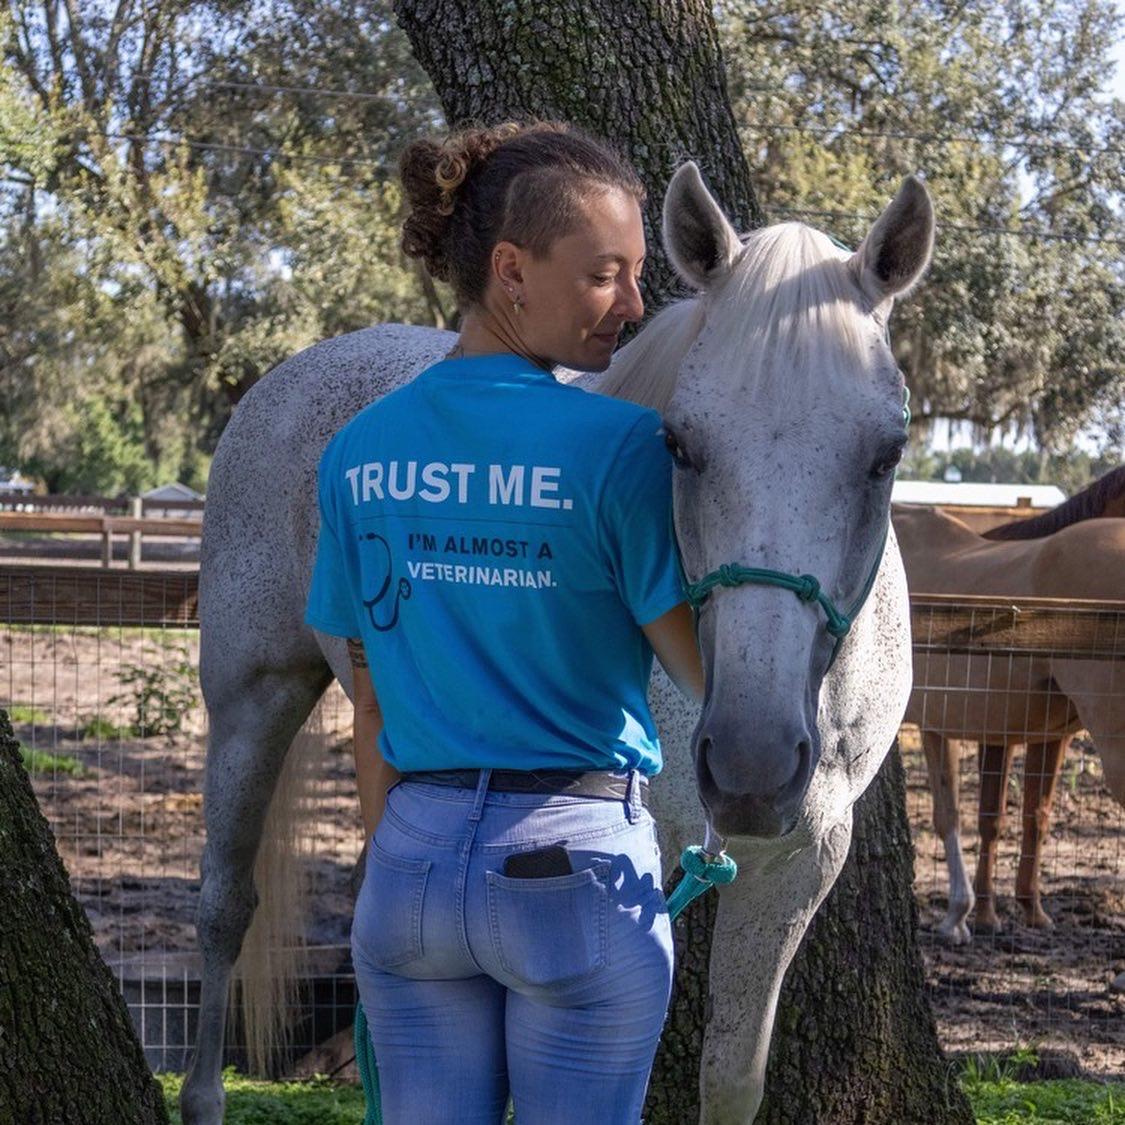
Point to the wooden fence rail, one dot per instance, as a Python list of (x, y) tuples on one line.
[(107, 527)]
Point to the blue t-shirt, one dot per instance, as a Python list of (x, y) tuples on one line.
[(497, 538)]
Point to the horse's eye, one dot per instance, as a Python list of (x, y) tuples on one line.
[(886, 461), (673, 446)]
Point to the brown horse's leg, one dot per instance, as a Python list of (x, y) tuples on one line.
[(943, 768), (1040, 775), (995, 764)]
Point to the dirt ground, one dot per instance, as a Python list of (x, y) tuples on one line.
[(130, 832), (1028, 986)]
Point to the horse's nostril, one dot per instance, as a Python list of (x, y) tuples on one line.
[(702, 766)]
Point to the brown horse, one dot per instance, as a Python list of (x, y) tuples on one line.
[(1103, 499), (1036, 699)]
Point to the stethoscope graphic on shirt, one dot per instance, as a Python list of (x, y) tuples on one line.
[(402, 593)]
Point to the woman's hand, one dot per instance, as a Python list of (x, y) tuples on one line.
[(373, 775), (673, 639)]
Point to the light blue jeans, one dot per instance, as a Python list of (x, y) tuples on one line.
[(476, 984)]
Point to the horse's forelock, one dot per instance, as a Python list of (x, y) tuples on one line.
[(791, 296)]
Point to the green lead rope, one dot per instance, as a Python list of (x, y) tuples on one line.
[(701, 872), (368, 1071)]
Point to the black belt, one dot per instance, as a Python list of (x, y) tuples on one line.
[(592, 783)]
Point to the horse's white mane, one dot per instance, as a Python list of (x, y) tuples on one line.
[(790, 291), (645, 370)]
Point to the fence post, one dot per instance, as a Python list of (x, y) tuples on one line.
[(138, 506), (107, 544)]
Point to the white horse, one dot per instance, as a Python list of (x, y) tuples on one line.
[(784, 408)]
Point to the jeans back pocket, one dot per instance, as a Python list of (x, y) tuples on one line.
[(551, 930), (388, 925)]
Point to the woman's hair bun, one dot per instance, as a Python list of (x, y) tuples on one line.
[(432, 172), (525, 182)]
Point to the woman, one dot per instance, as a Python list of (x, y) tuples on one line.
[(498, 546)]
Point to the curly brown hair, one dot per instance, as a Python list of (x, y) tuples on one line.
[(520, 182)]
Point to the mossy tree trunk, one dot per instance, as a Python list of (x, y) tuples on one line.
[(649, 78), (68, 1052)]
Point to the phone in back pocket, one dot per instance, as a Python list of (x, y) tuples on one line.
[(541, 863)]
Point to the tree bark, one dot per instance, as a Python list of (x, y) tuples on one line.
[(647, 78), (68, 1051), (650, 79)]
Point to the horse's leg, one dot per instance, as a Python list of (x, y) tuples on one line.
[(761, 919), (1097, 690), (1040, 775), (944, 769), (995, 765), (253, 723)]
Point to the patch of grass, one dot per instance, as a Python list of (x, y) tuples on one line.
[(102, 730), (251, 1101), (996, 1097), (38, 761), (26, 713), (1064, 1101)]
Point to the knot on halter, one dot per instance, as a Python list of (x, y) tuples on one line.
[(710, 869), (727, 575), (808, 588), (701, 872)]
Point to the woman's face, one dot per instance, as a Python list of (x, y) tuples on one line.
[(576, 300)]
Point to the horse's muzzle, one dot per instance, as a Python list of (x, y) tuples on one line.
[(749, 812)]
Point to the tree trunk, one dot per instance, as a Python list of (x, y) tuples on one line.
[(68, 1052), (650, 79), (647, 78)]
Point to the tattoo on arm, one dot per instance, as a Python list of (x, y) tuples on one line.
[(355, 652)]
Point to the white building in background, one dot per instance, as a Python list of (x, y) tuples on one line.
[(169, 494), (12, 481), (977, 494), (173, 491)]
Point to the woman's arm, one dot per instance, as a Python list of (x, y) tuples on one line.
[(672, 637), (373, 776)]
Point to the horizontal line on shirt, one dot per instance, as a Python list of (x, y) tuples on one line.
[(466, 519)]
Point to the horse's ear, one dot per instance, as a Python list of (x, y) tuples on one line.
[(698, 239), (896, 252)]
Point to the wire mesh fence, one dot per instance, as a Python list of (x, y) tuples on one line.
[(98, 671), (1014, 753)]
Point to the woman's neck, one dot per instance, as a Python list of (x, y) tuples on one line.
[(485, 333)]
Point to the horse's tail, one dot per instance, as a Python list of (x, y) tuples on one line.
[(273, 957)]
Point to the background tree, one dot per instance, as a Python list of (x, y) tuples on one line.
[(191, 190), (178, 216), (69, 1053), (1003, 108), (661, 96)]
